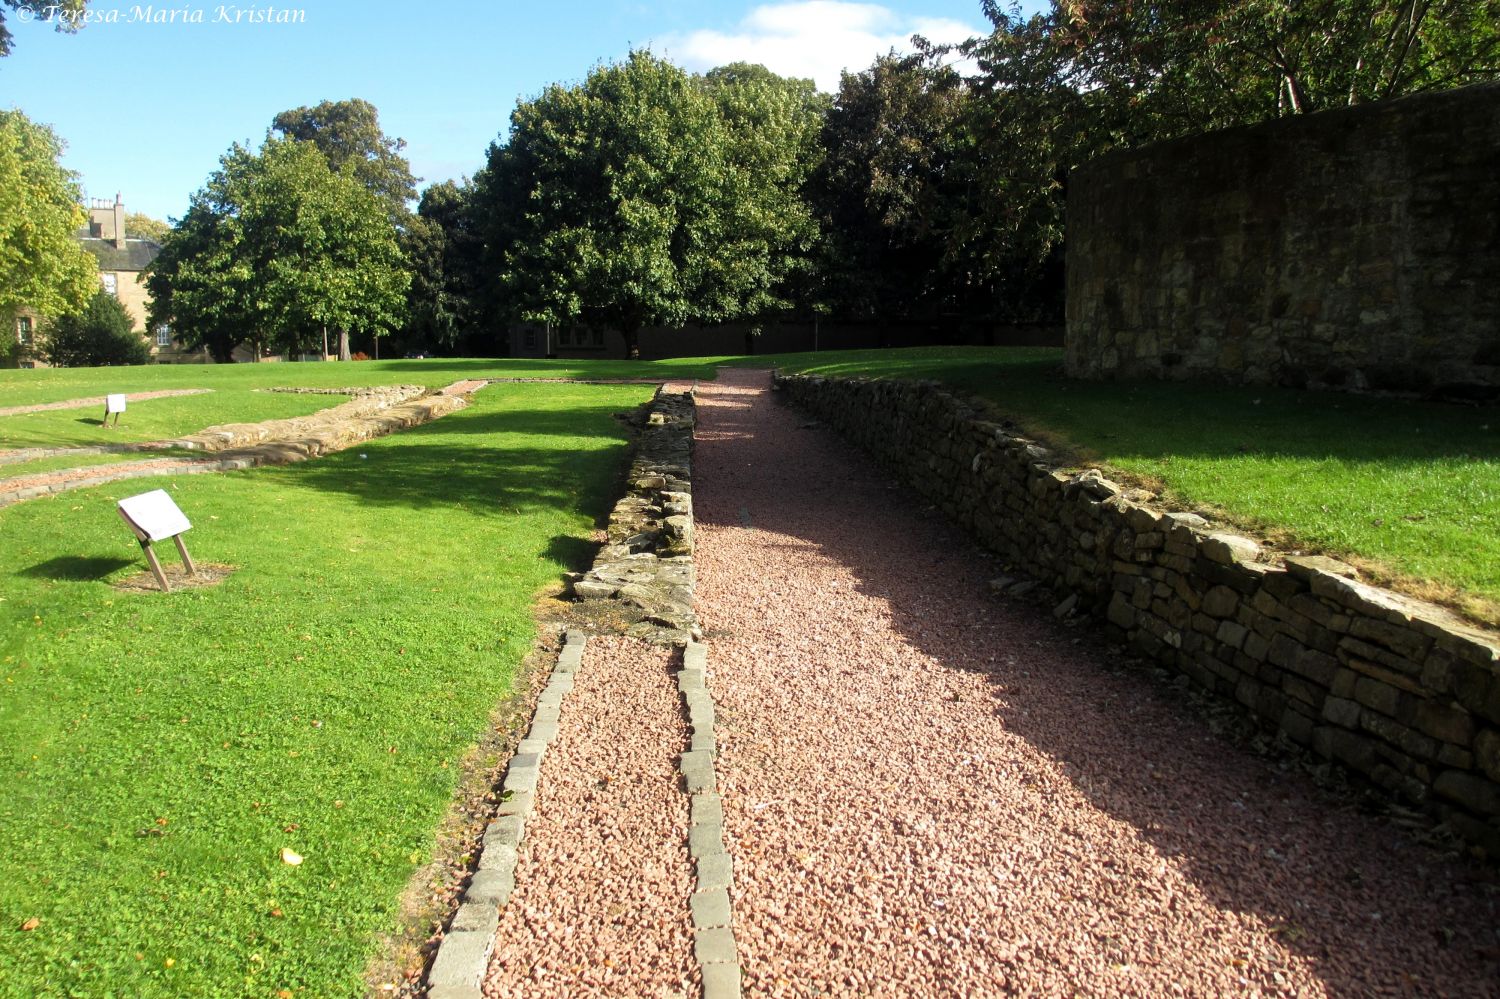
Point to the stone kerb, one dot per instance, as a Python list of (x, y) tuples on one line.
[(1395, 689)]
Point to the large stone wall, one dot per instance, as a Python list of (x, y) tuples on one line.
[(1357, 248), (1397, 690)]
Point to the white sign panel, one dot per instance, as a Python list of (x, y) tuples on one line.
[(114, 403), (154, 515)]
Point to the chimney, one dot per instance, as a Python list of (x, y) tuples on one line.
[(119, 222)]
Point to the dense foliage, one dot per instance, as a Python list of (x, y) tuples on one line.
[(278, 248), (102, 334), (42, 266)]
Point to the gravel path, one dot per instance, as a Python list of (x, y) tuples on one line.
[(603, 875), (933, 792)]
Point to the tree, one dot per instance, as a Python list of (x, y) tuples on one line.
[(42, 266), (889, 141), (634, 199), (773, 124), (145, 227), (67, 15), (442, 252), (277, 247), (102, 334), (348, 133)]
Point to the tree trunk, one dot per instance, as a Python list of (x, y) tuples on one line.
[(344, 354), (632, 343)]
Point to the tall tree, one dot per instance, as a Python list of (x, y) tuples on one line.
[(773, 125), (443, 254), (348, 134), (42, 266), (890, 142), (633, 199), (278, 247), (66, 15)]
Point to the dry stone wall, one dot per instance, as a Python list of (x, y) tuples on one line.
[(1356, 248), (1395, 689)]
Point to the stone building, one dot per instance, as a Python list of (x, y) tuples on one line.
[(122, 258)]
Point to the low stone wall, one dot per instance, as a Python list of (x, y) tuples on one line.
[(643, 577), (1395, 689)]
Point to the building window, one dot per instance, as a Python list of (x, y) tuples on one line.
[(598, 337), (110, 283), (564, 336), (531, 339), (163, 335), (24, 331)]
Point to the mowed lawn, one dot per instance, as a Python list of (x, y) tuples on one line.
[(1410, 488), (159, 752)]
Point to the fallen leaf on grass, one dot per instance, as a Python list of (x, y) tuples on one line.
[(30, 924), (289, 856)]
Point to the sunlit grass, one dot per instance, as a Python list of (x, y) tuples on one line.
[(158, 751), (1412, 486)]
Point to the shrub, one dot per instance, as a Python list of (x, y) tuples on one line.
[(101, 334)]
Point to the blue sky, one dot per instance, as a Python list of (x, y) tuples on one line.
[(149, 96)]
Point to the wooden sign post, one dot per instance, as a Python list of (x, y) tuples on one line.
[(154, 517), (114, 405)]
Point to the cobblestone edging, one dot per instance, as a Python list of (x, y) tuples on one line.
[(326, 430), (714, 946), (1398, 690), (308, 440), (646, 571), (463, 957)]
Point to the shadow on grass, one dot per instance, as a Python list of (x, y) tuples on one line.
[(76, 568), (493, 463)]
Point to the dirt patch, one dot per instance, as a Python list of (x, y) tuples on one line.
[(208, 574), (97, 400)]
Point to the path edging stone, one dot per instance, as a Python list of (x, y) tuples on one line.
[(463, 957)]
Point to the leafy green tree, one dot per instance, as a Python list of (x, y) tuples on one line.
[(142, 226), (890, 142), (278, 248), (42, 265), (443, 253), (348, 134), (645, 196), (102, 334), (65, 14)]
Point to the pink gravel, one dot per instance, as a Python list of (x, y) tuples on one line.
[(603, 874), (930, 791), (96, 400)]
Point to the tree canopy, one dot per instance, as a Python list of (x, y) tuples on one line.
[(42, 265), (639, 197), (275, 248), (143, 226), (348, 134)]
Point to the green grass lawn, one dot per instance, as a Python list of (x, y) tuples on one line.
[(35, 466), (27, 387), (159, 751), (1413, 487), (153, 419)]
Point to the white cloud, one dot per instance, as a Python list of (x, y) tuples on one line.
[(812, 38)]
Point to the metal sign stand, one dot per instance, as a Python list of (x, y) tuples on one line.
[(113, 405), (154, 517)]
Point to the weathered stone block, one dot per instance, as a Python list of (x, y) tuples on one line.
[(1447, 722), (1342, 712), (1377, 696), (1477, 794)]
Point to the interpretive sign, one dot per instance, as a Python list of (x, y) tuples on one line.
[(114, 405), (154, 516)]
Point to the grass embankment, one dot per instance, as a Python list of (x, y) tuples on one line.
[(1409, 489), (159, 751)]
